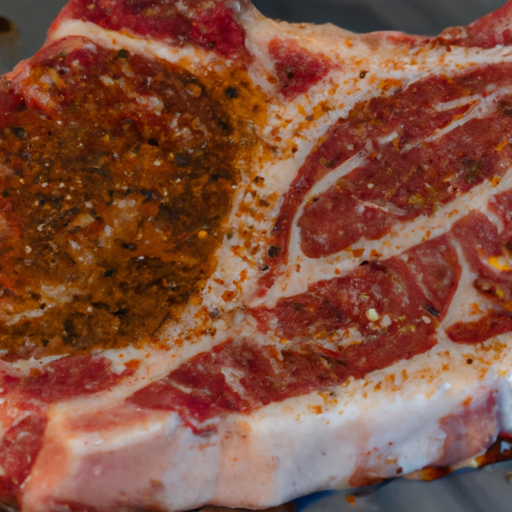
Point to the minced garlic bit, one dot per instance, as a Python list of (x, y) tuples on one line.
[(386, 321), (372, 315)]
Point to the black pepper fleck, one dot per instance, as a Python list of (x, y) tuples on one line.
[(231, 92), (273, 251)]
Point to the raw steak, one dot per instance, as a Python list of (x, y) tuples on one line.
[(243, 260)]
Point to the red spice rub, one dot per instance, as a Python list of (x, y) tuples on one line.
[(64, 379), (213, 27), (297, 69), (394, 306), (485, 249), (492, 324), (401, 178), (486, 32), (18, 451)]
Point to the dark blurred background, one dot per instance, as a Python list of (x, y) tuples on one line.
[(23, 23), (427, 17)]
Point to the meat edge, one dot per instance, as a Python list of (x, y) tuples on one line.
[(346, 437)]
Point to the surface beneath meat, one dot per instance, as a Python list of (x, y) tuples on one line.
[(242, 260)]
